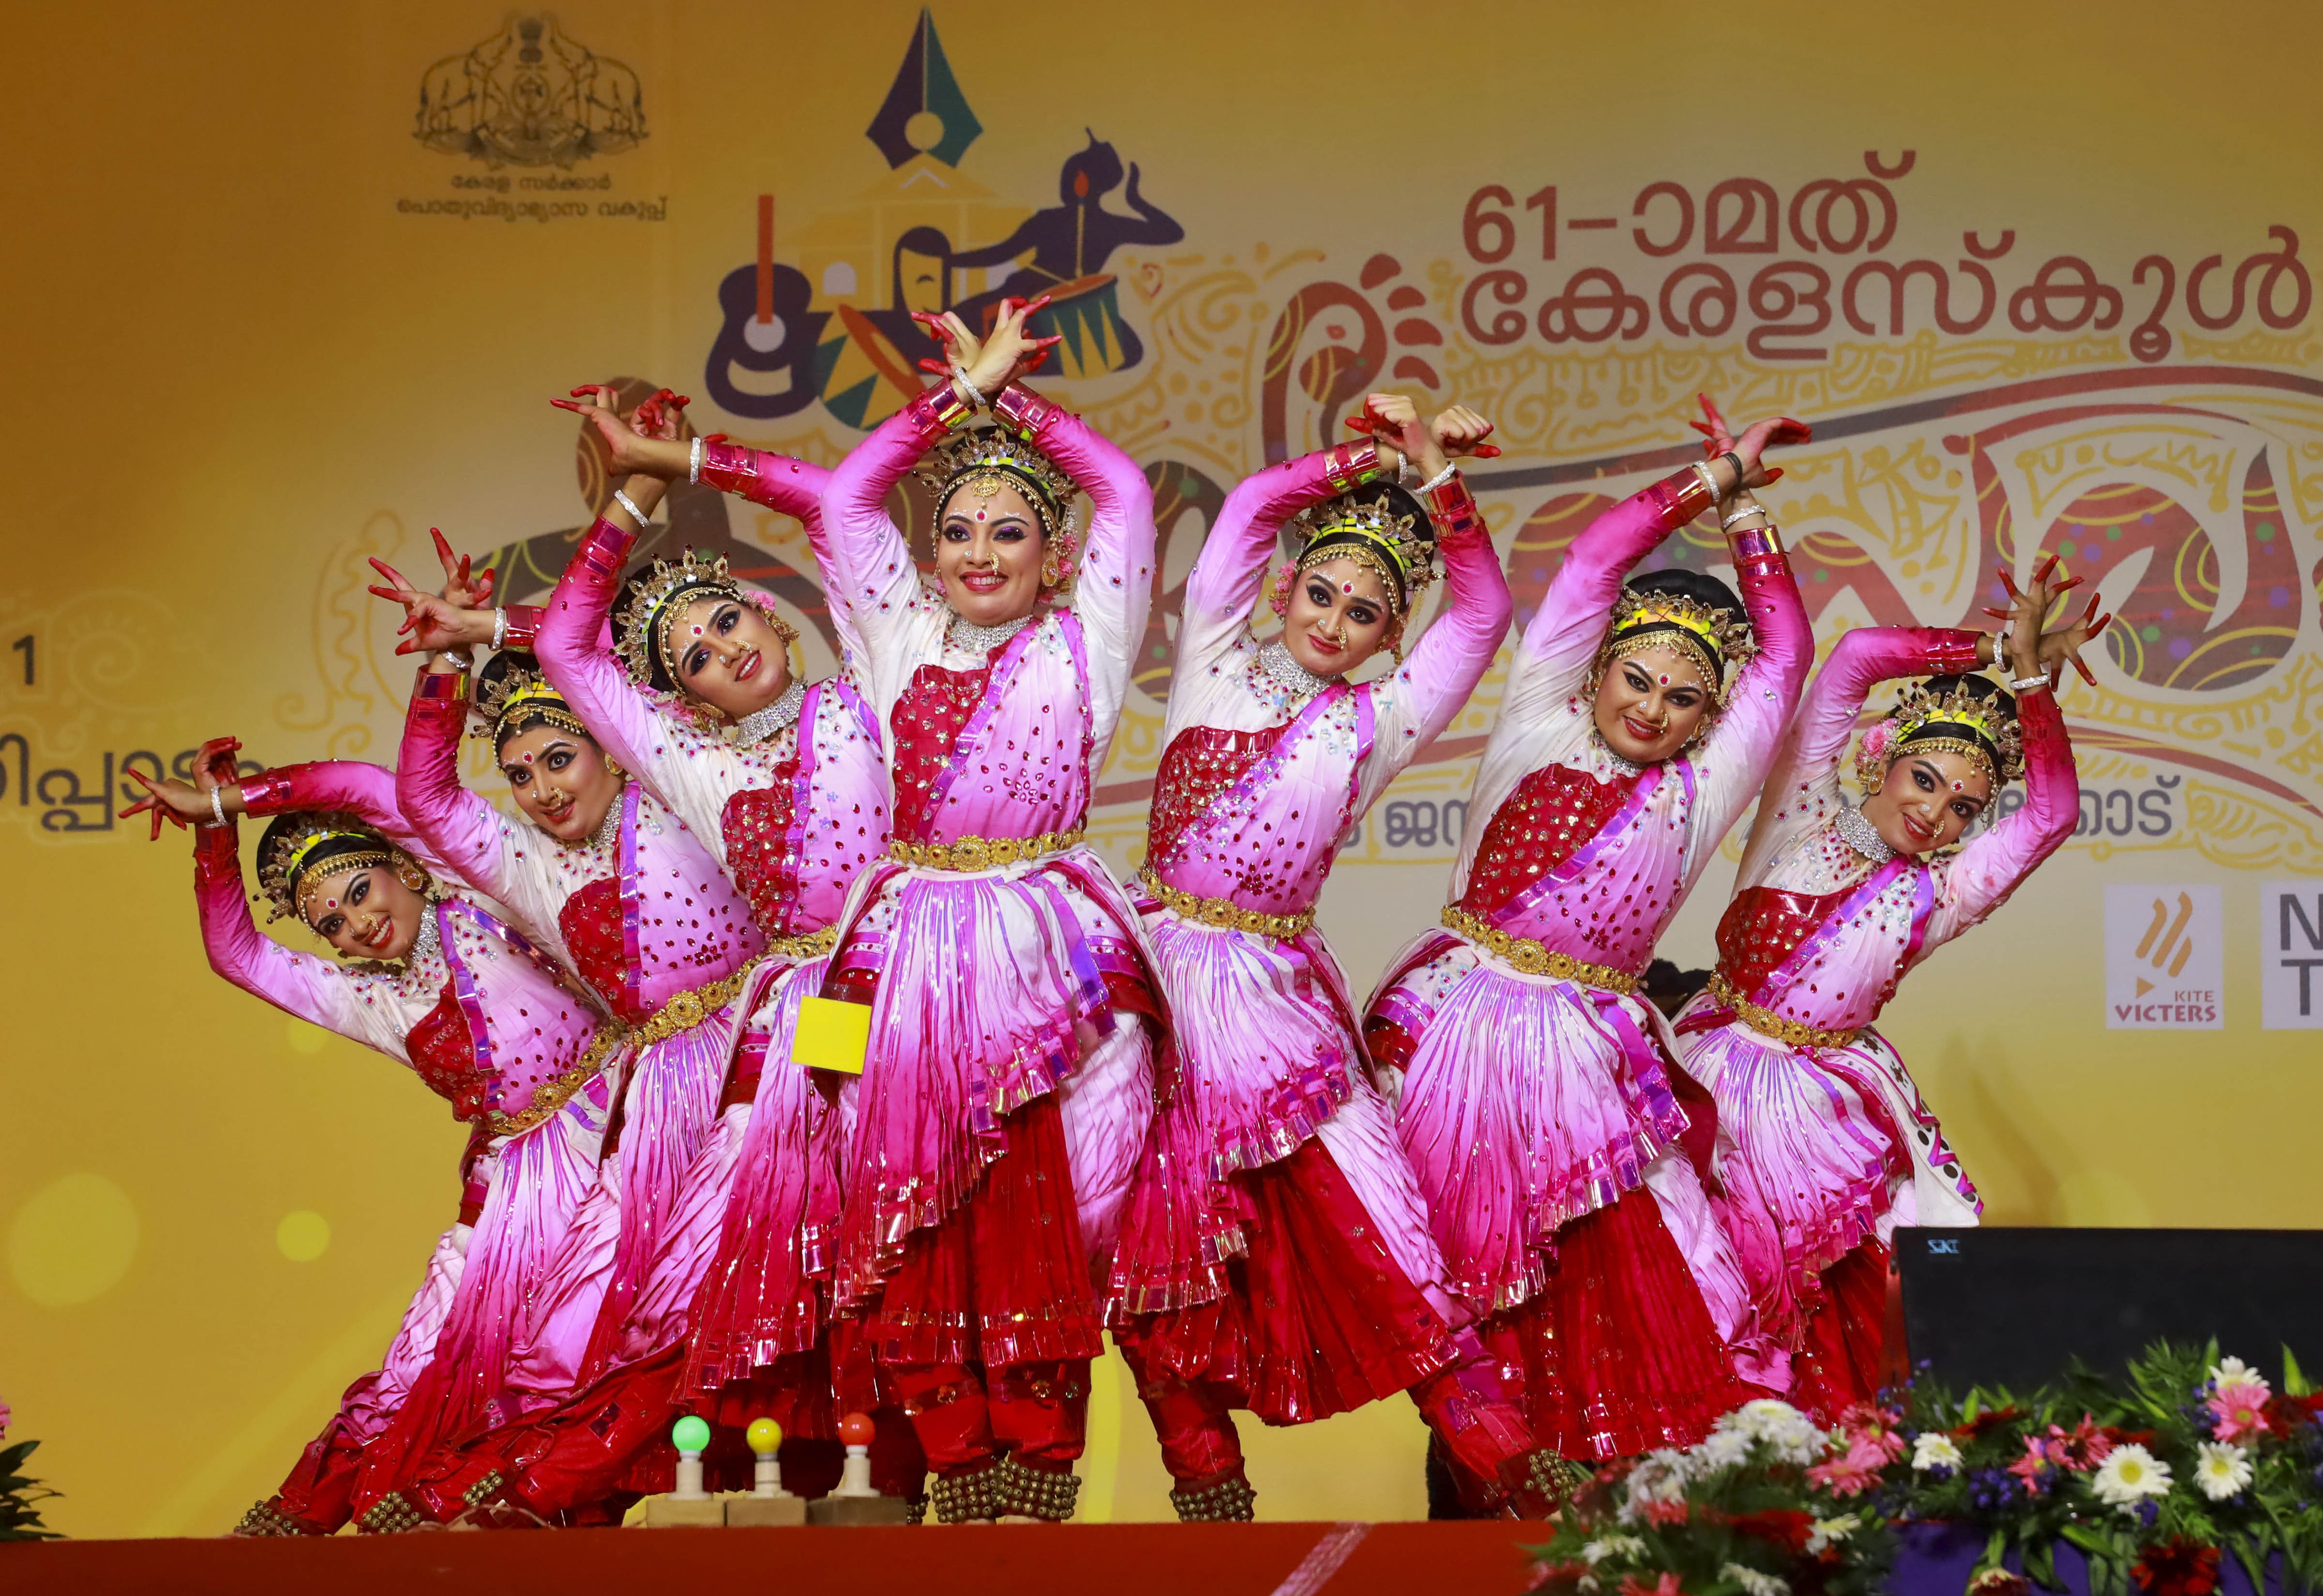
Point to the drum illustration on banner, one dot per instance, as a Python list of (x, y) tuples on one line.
[(2165, 957)]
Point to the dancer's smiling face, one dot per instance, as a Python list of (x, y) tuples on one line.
[(728, 656), (1338, 618), (1650, 703), (562, 781), (988, 550), (1927, 799), (365, 914)]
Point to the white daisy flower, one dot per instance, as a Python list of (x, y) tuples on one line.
[(1827, 1532), (1611, 1546), (2129, 1474), (2222, 1470), (1935, 1450), (2231, 1373)]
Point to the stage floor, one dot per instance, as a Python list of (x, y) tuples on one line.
[(1475, 1559)]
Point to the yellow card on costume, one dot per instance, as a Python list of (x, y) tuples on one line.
[(831, 1035)]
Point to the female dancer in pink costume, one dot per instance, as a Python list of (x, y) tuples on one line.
[(668, 944), (441, 982), (1271, 1146), (1008, 1071), (788, 783), (1536, 1102), (1825, 1143)]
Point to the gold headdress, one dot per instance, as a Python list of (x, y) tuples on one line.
[(1714, 636), (1975, 726), (1397, 549), (520, 698), (314, 848), (989, 458), (645, 621)]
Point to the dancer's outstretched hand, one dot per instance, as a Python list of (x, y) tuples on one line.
[(176, 802), (1719, 438)]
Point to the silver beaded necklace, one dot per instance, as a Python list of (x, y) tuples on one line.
[(1863, 836), (1288, 673), (759, 725), (970, 637)]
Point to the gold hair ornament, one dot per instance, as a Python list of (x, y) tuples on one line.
[(1396, 548), (983, 461), (1977, 718), (523, 694), (645, 621), (1708, 634), (285, 875)]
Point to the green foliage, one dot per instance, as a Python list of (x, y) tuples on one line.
[(2154, 1477), (20, 1516)]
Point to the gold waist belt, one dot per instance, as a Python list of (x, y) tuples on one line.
[(689, 1009), (1767, 1023), (1529, 957), (1223, 914), (799, 949), (980, 853), (547, 1099)]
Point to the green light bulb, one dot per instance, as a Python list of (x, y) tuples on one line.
[(690, 1434)]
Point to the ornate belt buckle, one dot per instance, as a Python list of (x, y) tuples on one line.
[(971, 853)]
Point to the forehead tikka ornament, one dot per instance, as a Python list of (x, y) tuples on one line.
[(1956, 722), (645, 621), (1397, 549), (1706, 634)]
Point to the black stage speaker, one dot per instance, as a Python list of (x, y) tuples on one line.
[(2013, 1308)]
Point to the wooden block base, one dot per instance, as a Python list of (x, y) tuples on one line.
[(669, 1513), (761, 1512), (859, 1509)]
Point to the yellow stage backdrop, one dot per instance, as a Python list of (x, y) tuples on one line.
[(288, 285)]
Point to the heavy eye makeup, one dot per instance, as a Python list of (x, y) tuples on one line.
[(334, 923), (559, 757), (960, 530), (1640, 684), (722, 622)]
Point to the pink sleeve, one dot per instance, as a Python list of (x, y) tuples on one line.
[(1457, 648), (793, 488), (467, 832), (1802, 785), (365, 791), (1114, 587), (1760, 701), (573, 655), (1554, 655), (1980, 878), (870, 565), (1222, 588), (312, 988)]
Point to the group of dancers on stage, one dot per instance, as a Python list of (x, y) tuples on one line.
[(1507, 1185)]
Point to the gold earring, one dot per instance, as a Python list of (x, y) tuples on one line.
[(411, 876), (613, 768), (1049, 576)]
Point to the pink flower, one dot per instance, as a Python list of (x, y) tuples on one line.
[(1866, 1422), (2084, 1447), (1667, 1585), (2240, 1411), (1654, 1510), (2040, 1457), (1853, 1474)]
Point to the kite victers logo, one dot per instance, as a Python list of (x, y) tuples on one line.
[(531, 96), (2165, 961)]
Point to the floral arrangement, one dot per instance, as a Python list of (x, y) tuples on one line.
[(2155, 1478), (20, 1518), (1761, 1507), (2187, 1459)]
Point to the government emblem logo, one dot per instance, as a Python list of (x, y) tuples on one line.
[(531, 96)]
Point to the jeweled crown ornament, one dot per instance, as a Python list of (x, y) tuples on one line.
[(1400, 549), (981, 462), (645, 623), (1923, 717), (1718, 637), (296, 858), (521, 697)]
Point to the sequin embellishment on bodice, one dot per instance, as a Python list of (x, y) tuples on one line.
[(927, 721), (757, 825), (1203, 762), (444, 1057), (591, 921), (1762, 927), (1552, 811)]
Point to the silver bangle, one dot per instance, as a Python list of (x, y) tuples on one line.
[(456, 659), (968, 390), (1727, 525), (627, 503), (1709, 483), (1451, 469), (217, 804), (499, 630), (2028, 683), (693, 466)]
